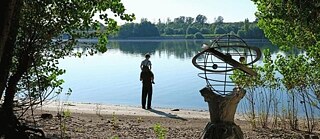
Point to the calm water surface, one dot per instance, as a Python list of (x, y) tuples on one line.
[(113, 77)]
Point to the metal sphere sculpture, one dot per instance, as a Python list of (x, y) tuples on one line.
[(221, 57)]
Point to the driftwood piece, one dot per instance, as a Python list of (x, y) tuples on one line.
[(222, 110)]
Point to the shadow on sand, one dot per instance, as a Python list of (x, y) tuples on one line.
[(169, 115)]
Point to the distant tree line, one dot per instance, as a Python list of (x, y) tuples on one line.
[(190, 28)]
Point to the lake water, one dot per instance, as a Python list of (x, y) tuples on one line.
[(113, 77)]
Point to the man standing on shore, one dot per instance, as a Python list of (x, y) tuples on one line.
[(146, 76)]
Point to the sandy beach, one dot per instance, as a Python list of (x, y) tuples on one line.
[(88, 120), (102, 109)]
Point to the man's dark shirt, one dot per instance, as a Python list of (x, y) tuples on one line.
[(146, 77)]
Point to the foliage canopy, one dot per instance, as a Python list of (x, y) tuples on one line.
[(29, 69)]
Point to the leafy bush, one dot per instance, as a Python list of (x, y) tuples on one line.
[(160, 131)]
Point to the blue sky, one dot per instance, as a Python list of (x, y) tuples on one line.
[(230, 10)]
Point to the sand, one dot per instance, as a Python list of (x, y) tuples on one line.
[(95, 108), (87, 120)]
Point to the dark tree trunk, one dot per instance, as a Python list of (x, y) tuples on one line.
[(7, 9), (9, 21), (5, 65), (9, 18), (222, 110), (13, 81), (9, 30), (8, 41), (6, 62), (11, 124)]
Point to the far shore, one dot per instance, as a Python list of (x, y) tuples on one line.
[(160, 39)]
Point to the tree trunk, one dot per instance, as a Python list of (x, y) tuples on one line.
[(7, 9), (222, 110), (8, 40), (10, 123), (6, 61), (9, 21)]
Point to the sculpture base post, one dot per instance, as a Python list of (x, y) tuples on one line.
[(222, 110)]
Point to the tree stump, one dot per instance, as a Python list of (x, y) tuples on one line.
[(222, 110)]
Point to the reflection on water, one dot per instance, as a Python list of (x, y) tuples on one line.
[(178, 48), (113, 77)]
